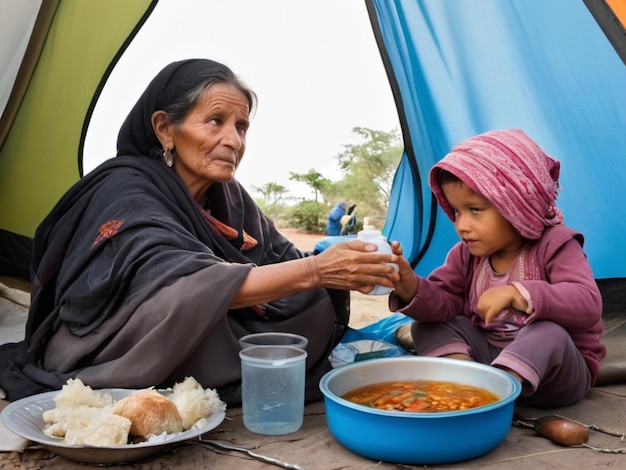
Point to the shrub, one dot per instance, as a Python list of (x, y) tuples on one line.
[(309, 216)]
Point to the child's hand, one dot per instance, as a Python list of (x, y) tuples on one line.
[(406, 287), (496, 299)]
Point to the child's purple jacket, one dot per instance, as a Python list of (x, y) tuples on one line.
[(567, 294)]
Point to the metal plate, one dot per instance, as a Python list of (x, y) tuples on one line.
[(25, 418)]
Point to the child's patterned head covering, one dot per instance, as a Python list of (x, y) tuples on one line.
[(512, 172)]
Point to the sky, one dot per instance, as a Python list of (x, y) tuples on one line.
[(314, 65)]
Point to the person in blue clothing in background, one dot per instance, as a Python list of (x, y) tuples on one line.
[(333, 226)]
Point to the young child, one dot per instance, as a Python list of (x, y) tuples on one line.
[(517, 292)]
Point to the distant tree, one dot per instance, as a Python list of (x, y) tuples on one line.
[(273, 193), (309, 216), (314, 180), (369, 168)]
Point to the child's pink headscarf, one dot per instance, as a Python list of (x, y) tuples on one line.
[(512, 172)]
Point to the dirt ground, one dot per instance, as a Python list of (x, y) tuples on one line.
[(364, 309)]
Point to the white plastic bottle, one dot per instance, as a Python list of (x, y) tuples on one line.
[(369, 234)]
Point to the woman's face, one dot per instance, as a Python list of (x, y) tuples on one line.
[(209, 144)]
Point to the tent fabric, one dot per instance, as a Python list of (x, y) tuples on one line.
[(23, 30), (611, 16), (460, 68), (40, 157)]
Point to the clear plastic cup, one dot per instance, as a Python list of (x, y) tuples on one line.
[(272, 385), (273, 339)]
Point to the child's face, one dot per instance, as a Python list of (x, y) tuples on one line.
[(480, 225)]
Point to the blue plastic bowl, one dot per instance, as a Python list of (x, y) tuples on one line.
[(418, 438)]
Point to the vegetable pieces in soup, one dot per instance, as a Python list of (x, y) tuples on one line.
[(421, 396)]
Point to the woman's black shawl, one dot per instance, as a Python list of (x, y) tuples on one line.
[(121, 233)]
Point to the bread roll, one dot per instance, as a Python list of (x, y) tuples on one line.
[(99, 428), (83, 417), (195, 403), (75, 393), (150, 413)]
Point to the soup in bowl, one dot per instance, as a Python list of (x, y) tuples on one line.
[(418, 437)]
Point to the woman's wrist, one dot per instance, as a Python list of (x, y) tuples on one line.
[(312, 271)]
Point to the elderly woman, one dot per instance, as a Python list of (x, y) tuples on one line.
[(153, 265)]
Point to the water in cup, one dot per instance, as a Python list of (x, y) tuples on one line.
[(272, 382)]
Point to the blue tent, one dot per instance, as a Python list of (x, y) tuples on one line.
[(552, 68), (456, 67)]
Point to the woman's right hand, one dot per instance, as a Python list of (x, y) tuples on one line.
[(355, 265), (352, 265)]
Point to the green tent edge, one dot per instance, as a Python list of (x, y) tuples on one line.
[(41, 155)]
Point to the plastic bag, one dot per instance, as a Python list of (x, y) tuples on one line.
[(373, 341)]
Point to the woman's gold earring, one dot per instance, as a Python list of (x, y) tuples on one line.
[(168, 157)]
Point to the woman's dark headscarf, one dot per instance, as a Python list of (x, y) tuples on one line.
[(170, 87)]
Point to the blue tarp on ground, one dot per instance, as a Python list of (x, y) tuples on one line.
[(460, 68)]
